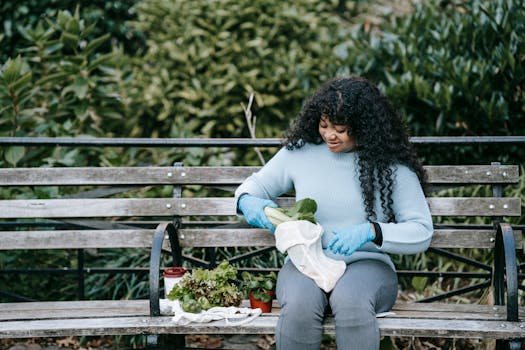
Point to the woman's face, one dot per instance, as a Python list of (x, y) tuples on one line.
[(336, 137)]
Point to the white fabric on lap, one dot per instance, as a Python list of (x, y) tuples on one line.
[(301, 239)]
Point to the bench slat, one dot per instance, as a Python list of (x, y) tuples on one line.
[(389, 326), (119, 308), (227, 237), (73, 309), (129, 207), (124, 176), (226, 175), (472, 174), (75, 239), (114, 207), (449, 238), (114, 317), (472, 206)]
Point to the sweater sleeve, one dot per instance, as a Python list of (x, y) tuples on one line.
[(272, 180), (413, 229)]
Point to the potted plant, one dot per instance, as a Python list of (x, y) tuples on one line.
[(260, 289)]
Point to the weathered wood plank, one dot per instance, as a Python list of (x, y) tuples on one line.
[(458, 238), (474, 206), (124, 175), (225, 175), (450, 328), (472, 174), (73, 309), (115, 207), (120, 308), (430, 308), (465, 238), (74, 239), (205, 237), (389, 326), (129, 207)]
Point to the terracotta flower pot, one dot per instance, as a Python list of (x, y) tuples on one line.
[(264, 306)]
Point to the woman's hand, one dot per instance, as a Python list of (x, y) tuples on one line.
[(253, 210), (350, 239)]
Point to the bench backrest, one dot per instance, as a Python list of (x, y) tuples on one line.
[(71, 208), (116, 207)]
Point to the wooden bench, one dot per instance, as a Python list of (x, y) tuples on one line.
[(118, 201)]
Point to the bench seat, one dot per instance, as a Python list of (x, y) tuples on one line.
[(124, 317)]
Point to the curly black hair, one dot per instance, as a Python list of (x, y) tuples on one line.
[(380, 134)]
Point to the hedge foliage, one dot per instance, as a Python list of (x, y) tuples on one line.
[(205, 58), (454, 69), (111, 18), (60, 84)]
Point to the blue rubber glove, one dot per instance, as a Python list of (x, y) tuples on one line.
[(350, 239), (253, 210)]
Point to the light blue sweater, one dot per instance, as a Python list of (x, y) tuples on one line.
[(313, 171)]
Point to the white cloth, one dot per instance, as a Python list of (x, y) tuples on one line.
[(301, 239), (240, 315)]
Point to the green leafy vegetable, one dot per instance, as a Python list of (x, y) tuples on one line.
[(302, 210), (202, 289)]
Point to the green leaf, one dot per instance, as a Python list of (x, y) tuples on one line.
[(52, 77), (70, 40), (419, 283), (14, 154), (264, 297), (81, 87), (100, 60), (303, 209), (268, 285), (88, 30), (21, 83), (12, 70), (95, 43), (63, 17), (73, 26)]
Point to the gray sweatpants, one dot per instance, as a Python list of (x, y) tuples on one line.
[(366, 288)]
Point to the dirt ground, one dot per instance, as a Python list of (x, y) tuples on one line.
[(235, 342)]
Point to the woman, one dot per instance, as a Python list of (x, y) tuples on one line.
[(349, 151)]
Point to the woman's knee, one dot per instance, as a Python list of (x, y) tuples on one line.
[(308, 306), (370, 284), (296, 291)]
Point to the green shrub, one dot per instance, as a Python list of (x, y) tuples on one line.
[(111, 17), (204, 59), (61, 85), (454, 69)]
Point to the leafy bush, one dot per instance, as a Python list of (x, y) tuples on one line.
[(453, 68), (62, 86), (111, 17), (204, 59)]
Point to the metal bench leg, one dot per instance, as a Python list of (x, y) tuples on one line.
[(152, 342), (166, 342), (515, 344)]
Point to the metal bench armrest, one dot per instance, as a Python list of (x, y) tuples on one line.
[(506, 270)]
